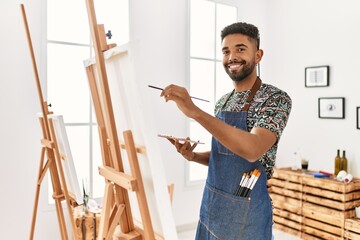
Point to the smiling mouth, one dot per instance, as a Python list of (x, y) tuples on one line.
[(235, 66)]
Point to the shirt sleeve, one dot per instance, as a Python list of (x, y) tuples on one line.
[(275, 113)]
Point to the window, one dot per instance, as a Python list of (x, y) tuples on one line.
[(68, 45), (207, 76)]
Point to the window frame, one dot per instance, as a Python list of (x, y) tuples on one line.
[(197, 183)]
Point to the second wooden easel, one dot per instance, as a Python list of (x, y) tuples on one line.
[(53, 163), (116, 207)]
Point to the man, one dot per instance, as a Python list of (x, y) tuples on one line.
[(246, 130)]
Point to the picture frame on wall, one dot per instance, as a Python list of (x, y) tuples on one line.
[(317, 76), (358, 117), (331, 107)]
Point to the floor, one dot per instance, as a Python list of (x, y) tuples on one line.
[(279, 235)]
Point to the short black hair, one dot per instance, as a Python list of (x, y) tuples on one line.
[(242, 28)]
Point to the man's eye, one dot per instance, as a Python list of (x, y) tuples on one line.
[(241, 49)]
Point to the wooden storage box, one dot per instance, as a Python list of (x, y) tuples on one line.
[(318, 208), (331, 193), (86, 226), (327, 203), (352, 229)]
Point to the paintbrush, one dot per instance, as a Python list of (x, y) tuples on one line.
[(158, 88)]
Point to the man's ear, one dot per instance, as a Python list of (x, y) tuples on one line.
[(258, 56)]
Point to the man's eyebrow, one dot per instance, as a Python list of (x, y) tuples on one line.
[(241, 45), (237, 45)]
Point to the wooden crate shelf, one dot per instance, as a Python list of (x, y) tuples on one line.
[(352, 229), (287, 229), (314, 208), (288, 215), (314, 233), (325, 214)]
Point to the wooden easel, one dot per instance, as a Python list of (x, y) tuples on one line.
[(53, 163), (116, 208)]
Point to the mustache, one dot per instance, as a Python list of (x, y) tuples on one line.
[(235, 61)]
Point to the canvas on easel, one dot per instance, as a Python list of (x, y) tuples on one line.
[(65, 154), (132, 111), (124, 114)]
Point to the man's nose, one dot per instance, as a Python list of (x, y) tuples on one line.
[(233, 56)]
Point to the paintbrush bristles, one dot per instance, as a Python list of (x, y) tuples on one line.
[(247, 183)]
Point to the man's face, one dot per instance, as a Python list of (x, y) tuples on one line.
[(239, 56)]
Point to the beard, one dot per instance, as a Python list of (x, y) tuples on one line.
[(247, 69)]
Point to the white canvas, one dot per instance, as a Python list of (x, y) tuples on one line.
[(68, 166)]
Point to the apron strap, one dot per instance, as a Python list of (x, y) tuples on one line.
[(253, 91)]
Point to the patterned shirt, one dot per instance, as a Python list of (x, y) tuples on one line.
[(270, 109)]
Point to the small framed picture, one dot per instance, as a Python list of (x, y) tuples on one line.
[(358, 117), (332, 107), (317, 76)]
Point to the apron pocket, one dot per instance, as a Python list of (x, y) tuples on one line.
[(227, 214)]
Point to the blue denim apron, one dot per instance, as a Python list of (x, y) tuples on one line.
[(223, 215)]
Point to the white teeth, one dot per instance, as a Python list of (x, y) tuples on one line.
[(234, 66)]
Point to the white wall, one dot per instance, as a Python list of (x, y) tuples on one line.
[(298, 34), (19, 127), (295, 34)]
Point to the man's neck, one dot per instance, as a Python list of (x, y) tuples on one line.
[(245, 84)]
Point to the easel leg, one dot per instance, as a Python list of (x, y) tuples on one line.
[(104, 220), (117, 213), (37, 194), (58, 193), (61, 219), (140, 193), (41, 175)]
